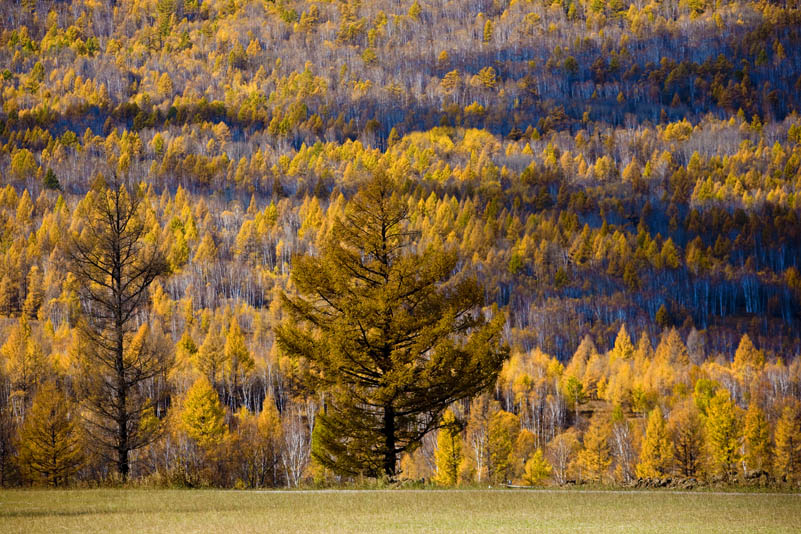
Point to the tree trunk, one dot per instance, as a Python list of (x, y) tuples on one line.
[(122, 412), (119, 326), (390, 457)]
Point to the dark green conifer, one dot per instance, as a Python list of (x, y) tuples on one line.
[(387, 330)]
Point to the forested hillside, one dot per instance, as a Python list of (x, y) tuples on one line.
[(624, 180)]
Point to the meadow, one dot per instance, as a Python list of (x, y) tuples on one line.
[(429, 511)]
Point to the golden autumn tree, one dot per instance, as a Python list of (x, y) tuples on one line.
[(238, 360), (51, 447), (7, 295), (536, 469), (757, 439), (253, 448), (502, 433), (35, 295), (524, 446), (182, 373), (210, 356), (25, 363), (747, 355), (686, 429), (748, 360), (270, 436), (206, 252), (595, 456), (448, 455), (655, 454), (624, 348), (788, 443), (723, 433), (203, 417)]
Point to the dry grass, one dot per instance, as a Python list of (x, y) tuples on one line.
[(484, 511)]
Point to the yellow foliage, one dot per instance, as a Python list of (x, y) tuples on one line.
[(203, 417), (757, 439), (788, 443), (595, 457), (51, 446), (655, 454), (537, 469), (723, 433), (448, 455)]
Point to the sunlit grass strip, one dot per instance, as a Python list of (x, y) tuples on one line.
[(332, 511)]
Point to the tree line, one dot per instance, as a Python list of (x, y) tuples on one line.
[(375, 359)]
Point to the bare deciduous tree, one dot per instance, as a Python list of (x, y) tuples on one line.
[(115, 265)]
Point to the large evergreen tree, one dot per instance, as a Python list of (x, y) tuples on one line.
[(388, 330)]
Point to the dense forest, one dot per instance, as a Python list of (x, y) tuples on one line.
[(622, 178)]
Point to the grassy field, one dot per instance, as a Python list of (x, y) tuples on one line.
[(484, 511)]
